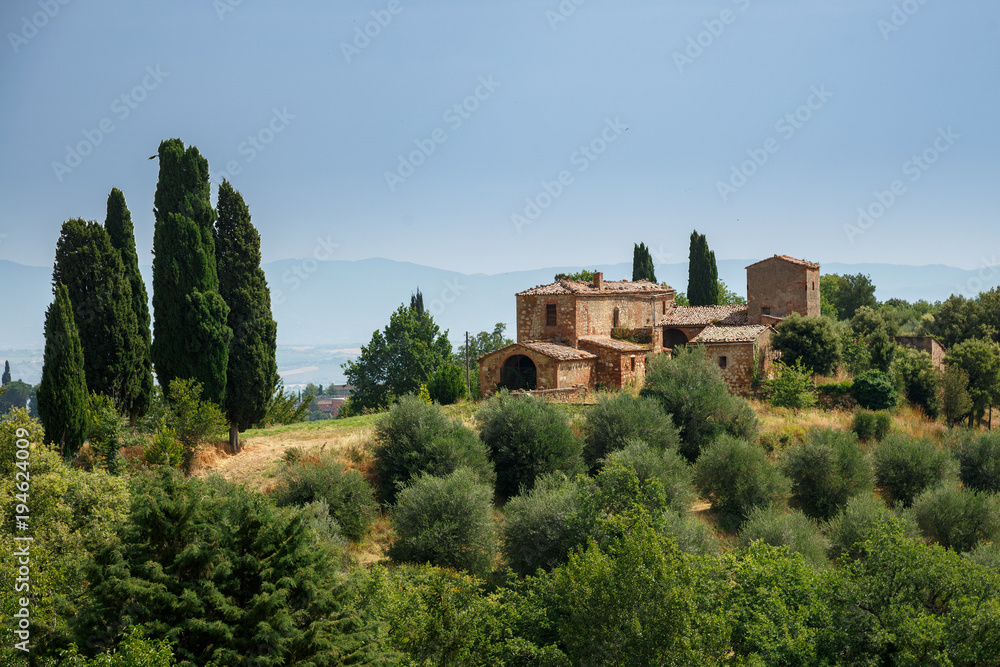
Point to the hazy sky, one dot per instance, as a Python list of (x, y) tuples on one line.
[(512, 135)]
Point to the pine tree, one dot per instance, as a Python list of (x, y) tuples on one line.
[(190, 334), (138, 383), (94, 276), (6, 373), (642, 264), (417, 303), (703, 275), (62, 395), (252, 369)]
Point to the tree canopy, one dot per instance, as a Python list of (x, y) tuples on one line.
[(845, 294), (811, 339), (642, 264), (703, 275), (62, 395)]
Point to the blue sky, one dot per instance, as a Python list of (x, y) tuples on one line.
[(766, 125)]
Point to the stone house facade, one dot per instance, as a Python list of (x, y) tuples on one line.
[(581, 336)]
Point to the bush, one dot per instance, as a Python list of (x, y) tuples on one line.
[(166, 449), (192, 419), (349, 498), (987, 555), (446, 521), (812, 340), (979, 461), (861, 516), (447, 385), (690, 535), (871, 426), (416, 437), (826, 471), (668, 467), (874, 390), (957, 518), (956, 402), (921, 381), (526, 437), (539, 526), (105, 430), (780, 528), (836, 395), (791, 386), (905, 467), (690, 388), (736, 477), (620, 417), (16, 425)]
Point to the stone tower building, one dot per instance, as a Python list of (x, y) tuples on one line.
[(779, 286)]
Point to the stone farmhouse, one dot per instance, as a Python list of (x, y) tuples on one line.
[(574, 337)]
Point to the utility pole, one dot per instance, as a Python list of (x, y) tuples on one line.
[(468, 378)]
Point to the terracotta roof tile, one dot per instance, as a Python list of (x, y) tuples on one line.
[(737, 334), (610, 287), (613, 344), (790, 260), (556, 351), (730, 315)]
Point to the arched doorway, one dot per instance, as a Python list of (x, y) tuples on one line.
[(518, 372), (673, 337)]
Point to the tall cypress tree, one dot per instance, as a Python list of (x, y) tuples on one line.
[(703, 275), (190, 334), (138, 383), (6, 373), (62, 394), (252, 369), (642, 264), (94, 276)]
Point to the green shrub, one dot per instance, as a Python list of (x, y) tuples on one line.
[(105, 430), (667, 466), (526, 437), (446, 521), (690, 388), (979, 460), (957, 518), (165, 449), (781, 528), (905, 467), (875, 391), (619, 417), (921, 381), (871, 426), (861, 515), (416, 437), (447, 385), (791, 386), (736, 477), (540, 526), (16, 425), (836, 395), (690, 535), (192, 419), (826, 470), (987, 555), (349, 498), (812, 340)]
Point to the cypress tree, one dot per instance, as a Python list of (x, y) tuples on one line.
[(190, 334), (642, 264), (252, 369), (6, 374), (62, 394), (101, 297), (138, 383), (703, 275)]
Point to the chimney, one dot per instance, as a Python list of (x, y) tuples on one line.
[(599, 280)]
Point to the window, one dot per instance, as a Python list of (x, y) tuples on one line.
[(617, 322), (633, 363), (664, 306), (550, 315), (722, 362), (766, 310)]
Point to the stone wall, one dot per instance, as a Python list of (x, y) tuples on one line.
[(577, 394), (740, 361), (572, 373), (784, 287), (491, 365), (531, 318), (614, 368), (595, 314), (927, 344)]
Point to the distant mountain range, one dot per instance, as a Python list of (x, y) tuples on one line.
[(327, 310)]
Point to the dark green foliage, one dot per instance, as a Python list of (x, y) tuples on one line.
[(480, 344), (101, 294), (285, 407), (447, 385), (225, 574), (349, 499), (5, 380), (14, 395), (956, 403), (690, 534), (876, 331), (871, 426), (446, 521), (132, 650), (637, 602), (959, 319), (703, 275), (642, 264), (813, 340), (987, 555), (791, 386), (665, 465), (957, 518), (861, 515), (583, 276), (540, 526), (979, 460), (137, 386), (397, 361), (921, 381), (874, 390), (845, 294), (980, 359), (251, 370), (737, 478), (690, 388), (905, 467), (619, 417), (781, 528), (62, 394), (415, 437), (526, 437), (192, 418), (190, 333), (826, 471), (105, 431)]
